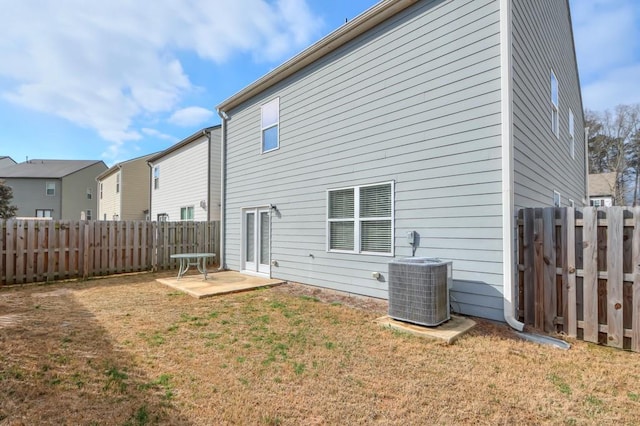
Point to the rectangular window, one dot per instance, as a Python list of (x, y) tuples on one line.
[(571, 203), (89, 215), (163, 217), (156, 177), (44, 213), (572, 139), (118, 183), (186, 213), (50, 188), (556, 199), (89, 193), (555, 102), (270, 121), (360, 219), (101, 190)]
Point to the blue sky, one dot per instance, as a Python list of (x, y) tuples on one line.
[(119, 79)]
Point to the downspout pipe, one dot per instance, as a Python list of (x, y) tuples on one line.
[(587, 201), (223, 168), (508, 208)]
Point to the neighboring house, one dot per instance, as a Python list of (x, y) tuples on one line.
[(123, 191), (602, 189), (185, 179), (6, 161), (59, 189), (439, 117)]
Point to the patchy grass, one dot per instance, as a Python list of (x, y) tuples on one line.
[(129, 351)]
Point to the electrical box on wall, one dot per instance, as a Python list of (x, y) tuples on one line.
[(411, 237)]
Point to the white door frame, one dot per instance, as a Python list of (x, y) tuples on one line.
[(253, 261)]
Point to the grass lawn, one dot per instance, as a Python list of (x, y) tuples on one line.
[(130, 351)]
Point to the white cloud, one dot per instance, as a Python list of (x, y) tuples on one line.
[(101, 65), (607, 38), (191, 116), (156, 134)]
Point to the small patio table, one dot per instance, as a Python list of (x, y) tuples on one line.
[(193, 259)]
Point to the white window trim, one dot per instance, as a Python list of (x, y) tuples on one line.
[(572, 136), (186, 208), (46, 189), (571, 203), (555, 119), (118, 183), (559, 199), (276, 124), (156, 177), (356, 220)]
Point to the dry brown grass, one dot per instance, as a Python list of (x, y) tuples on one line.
[(130, 351)]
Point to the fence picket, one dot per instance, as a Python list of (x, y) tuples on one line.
[(590, 280), (20, 252), (549, 253), (571, 325), (615, 277)]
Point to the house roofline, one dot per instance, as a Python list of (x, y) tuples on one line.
[(359, 25), (119, 165), (182, 143)]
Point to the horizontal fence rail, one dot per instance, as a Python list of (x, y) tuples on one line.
[(41, 251), (579, 273)]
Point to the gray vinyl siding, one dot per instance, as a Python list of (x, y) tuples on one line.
[(29, 195), (542, 41), (74, 192), (416, 100)]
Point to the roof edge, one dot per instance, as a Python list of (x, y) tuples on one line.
[(359, 25), (182, 143)]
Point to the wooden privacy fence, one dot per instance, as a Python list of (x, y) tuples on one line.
[(34, 251), (579, 273)]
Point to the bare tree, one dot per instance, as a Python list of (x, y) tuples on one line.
[(7, 211), (612, 146)]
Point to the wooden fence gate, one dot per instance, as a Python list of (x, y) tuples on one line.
[(579, 273), (34, 251)]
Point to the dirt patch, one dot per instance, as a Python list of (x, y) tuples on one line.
[(129, 350)]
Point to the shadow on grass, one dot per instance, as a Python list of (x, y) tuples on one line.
[(58, 366)]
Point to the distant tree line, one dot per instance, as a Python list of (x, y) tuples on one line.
[(614, 147)]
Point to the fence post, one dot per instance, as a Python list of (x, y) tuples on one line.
[(635, 322), (85, 244), (615, 255)]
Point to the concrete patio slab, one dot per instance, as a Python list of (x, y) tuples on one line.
[(449, 331), (217, 283)]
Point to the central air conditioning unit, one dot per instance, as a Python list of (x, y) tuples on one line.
[(419, 290)]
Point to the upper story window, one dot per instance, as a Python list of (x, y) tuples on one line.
[(270, 125), (360, 219), (555, 102), (101, 191), (572, 137), (118, 183), (156, 177), (50, 188), (186, 213), (89, 193), (89, 215)]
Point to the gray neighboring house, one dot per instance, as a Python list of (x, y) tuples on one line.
[(438, 117), (6, 161), (59, 189)]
